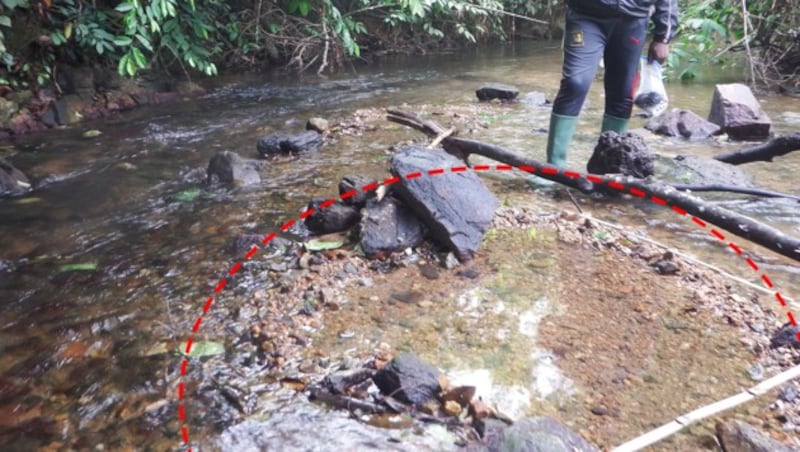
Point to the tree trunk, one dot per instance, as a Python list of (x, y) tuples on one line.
[(663, 194), (764, 152)]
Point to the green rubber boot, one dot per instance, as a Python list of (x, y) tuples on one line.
[(613, 123), (559, 136)]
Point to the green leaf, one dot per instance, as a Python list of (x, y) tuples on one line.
[(92, 133), (139, 58), (187, 195), (204, 348), (5, 21), (124, 7), (78, 267), (123, 41), (323, 245)]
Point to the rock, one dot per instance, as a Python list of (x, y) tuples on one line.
[(334, 218), (738, 113), (665, 267), (786, 336), (230, 168), (625, 153), (542, 434), (535, 99), (492, 432), (698, 170), (682, 123), (12, 181), (448, 261), (318, 125), (388, 226), (452, 408), (737, 436), (496, 91), (278, 143), (408, 379), (457, 207), (356, 183), (339, 382), (7, 109)]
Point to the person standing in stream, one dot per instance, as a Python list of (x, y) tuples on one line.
[(614, 30)]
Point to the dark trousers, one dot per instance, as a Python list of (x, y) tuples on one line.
[(619, 40)]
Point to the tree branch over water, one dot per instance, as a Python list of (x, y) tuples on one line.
[(775, 147), (660, 193)]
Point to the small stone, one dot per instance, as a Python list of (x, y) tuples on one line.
[(452, 408), (599, 411), (449, 261), (479, 410), (320, 125), (789, 393), (756, 372)]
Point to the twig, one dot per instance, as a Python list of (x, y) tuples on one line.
[(441, 137), (687, 419), (746, 25)]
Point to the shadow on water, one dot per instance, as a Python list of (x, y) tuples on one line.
[(114, 251)]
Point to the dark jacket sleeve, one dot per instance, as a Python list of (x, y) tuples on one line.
[(665, 19)]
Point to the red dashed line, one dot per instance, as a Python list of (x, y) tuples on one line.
[(370, 187), (658, 200), (220, 285), (456, 169), (235, 269), (637, 192), (197, 323)]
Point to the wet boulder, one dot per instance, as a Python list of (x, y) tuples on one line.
[(12, 181), (356, 183), (456, 207), (543, 434), (682, 123), (388, 226), (334, 218), (500, 91), (698, 170), (735, 109), (408, 379), (279, 143), (624, 153), (737, 436), (228, 167)]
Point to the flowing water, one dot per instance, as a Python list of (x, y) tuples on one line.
[(128, 208)]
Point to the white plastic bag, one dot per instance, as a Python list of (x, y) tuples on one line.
[(651, 96)]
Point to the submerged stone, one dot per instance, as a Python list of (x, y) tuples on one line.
[(408, 379), (624, 153), (500, 91), (12, 181), (543, 434), (456, 207), (230, 168), (279, 143)]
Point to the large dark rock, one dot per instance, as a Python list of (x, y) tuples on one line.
[(230, 168), (496, 91), (456, 207), (682, 123), (279, 143), (625, 153), (787, 336), (334, 218), (408, 379), (388, 226), (12, 181), (738, 113), (356, 183), (737, 436), (543, 434)]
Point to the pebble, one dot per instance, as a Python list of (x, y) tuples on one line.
[(756, 372), (599, 411)]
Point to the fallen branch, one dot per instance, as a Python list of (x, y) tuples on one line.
[(775, 147), (680, 422), (733, 189), (344, 402), (663, 194)]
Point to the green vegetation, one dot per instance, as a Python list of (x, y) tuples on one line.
[(200, 36)]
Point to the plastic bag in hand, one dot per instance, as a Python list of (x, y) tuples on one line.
[(651, 96)]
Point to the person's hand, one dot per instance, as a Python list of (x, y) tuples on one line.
[(658, 51)]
